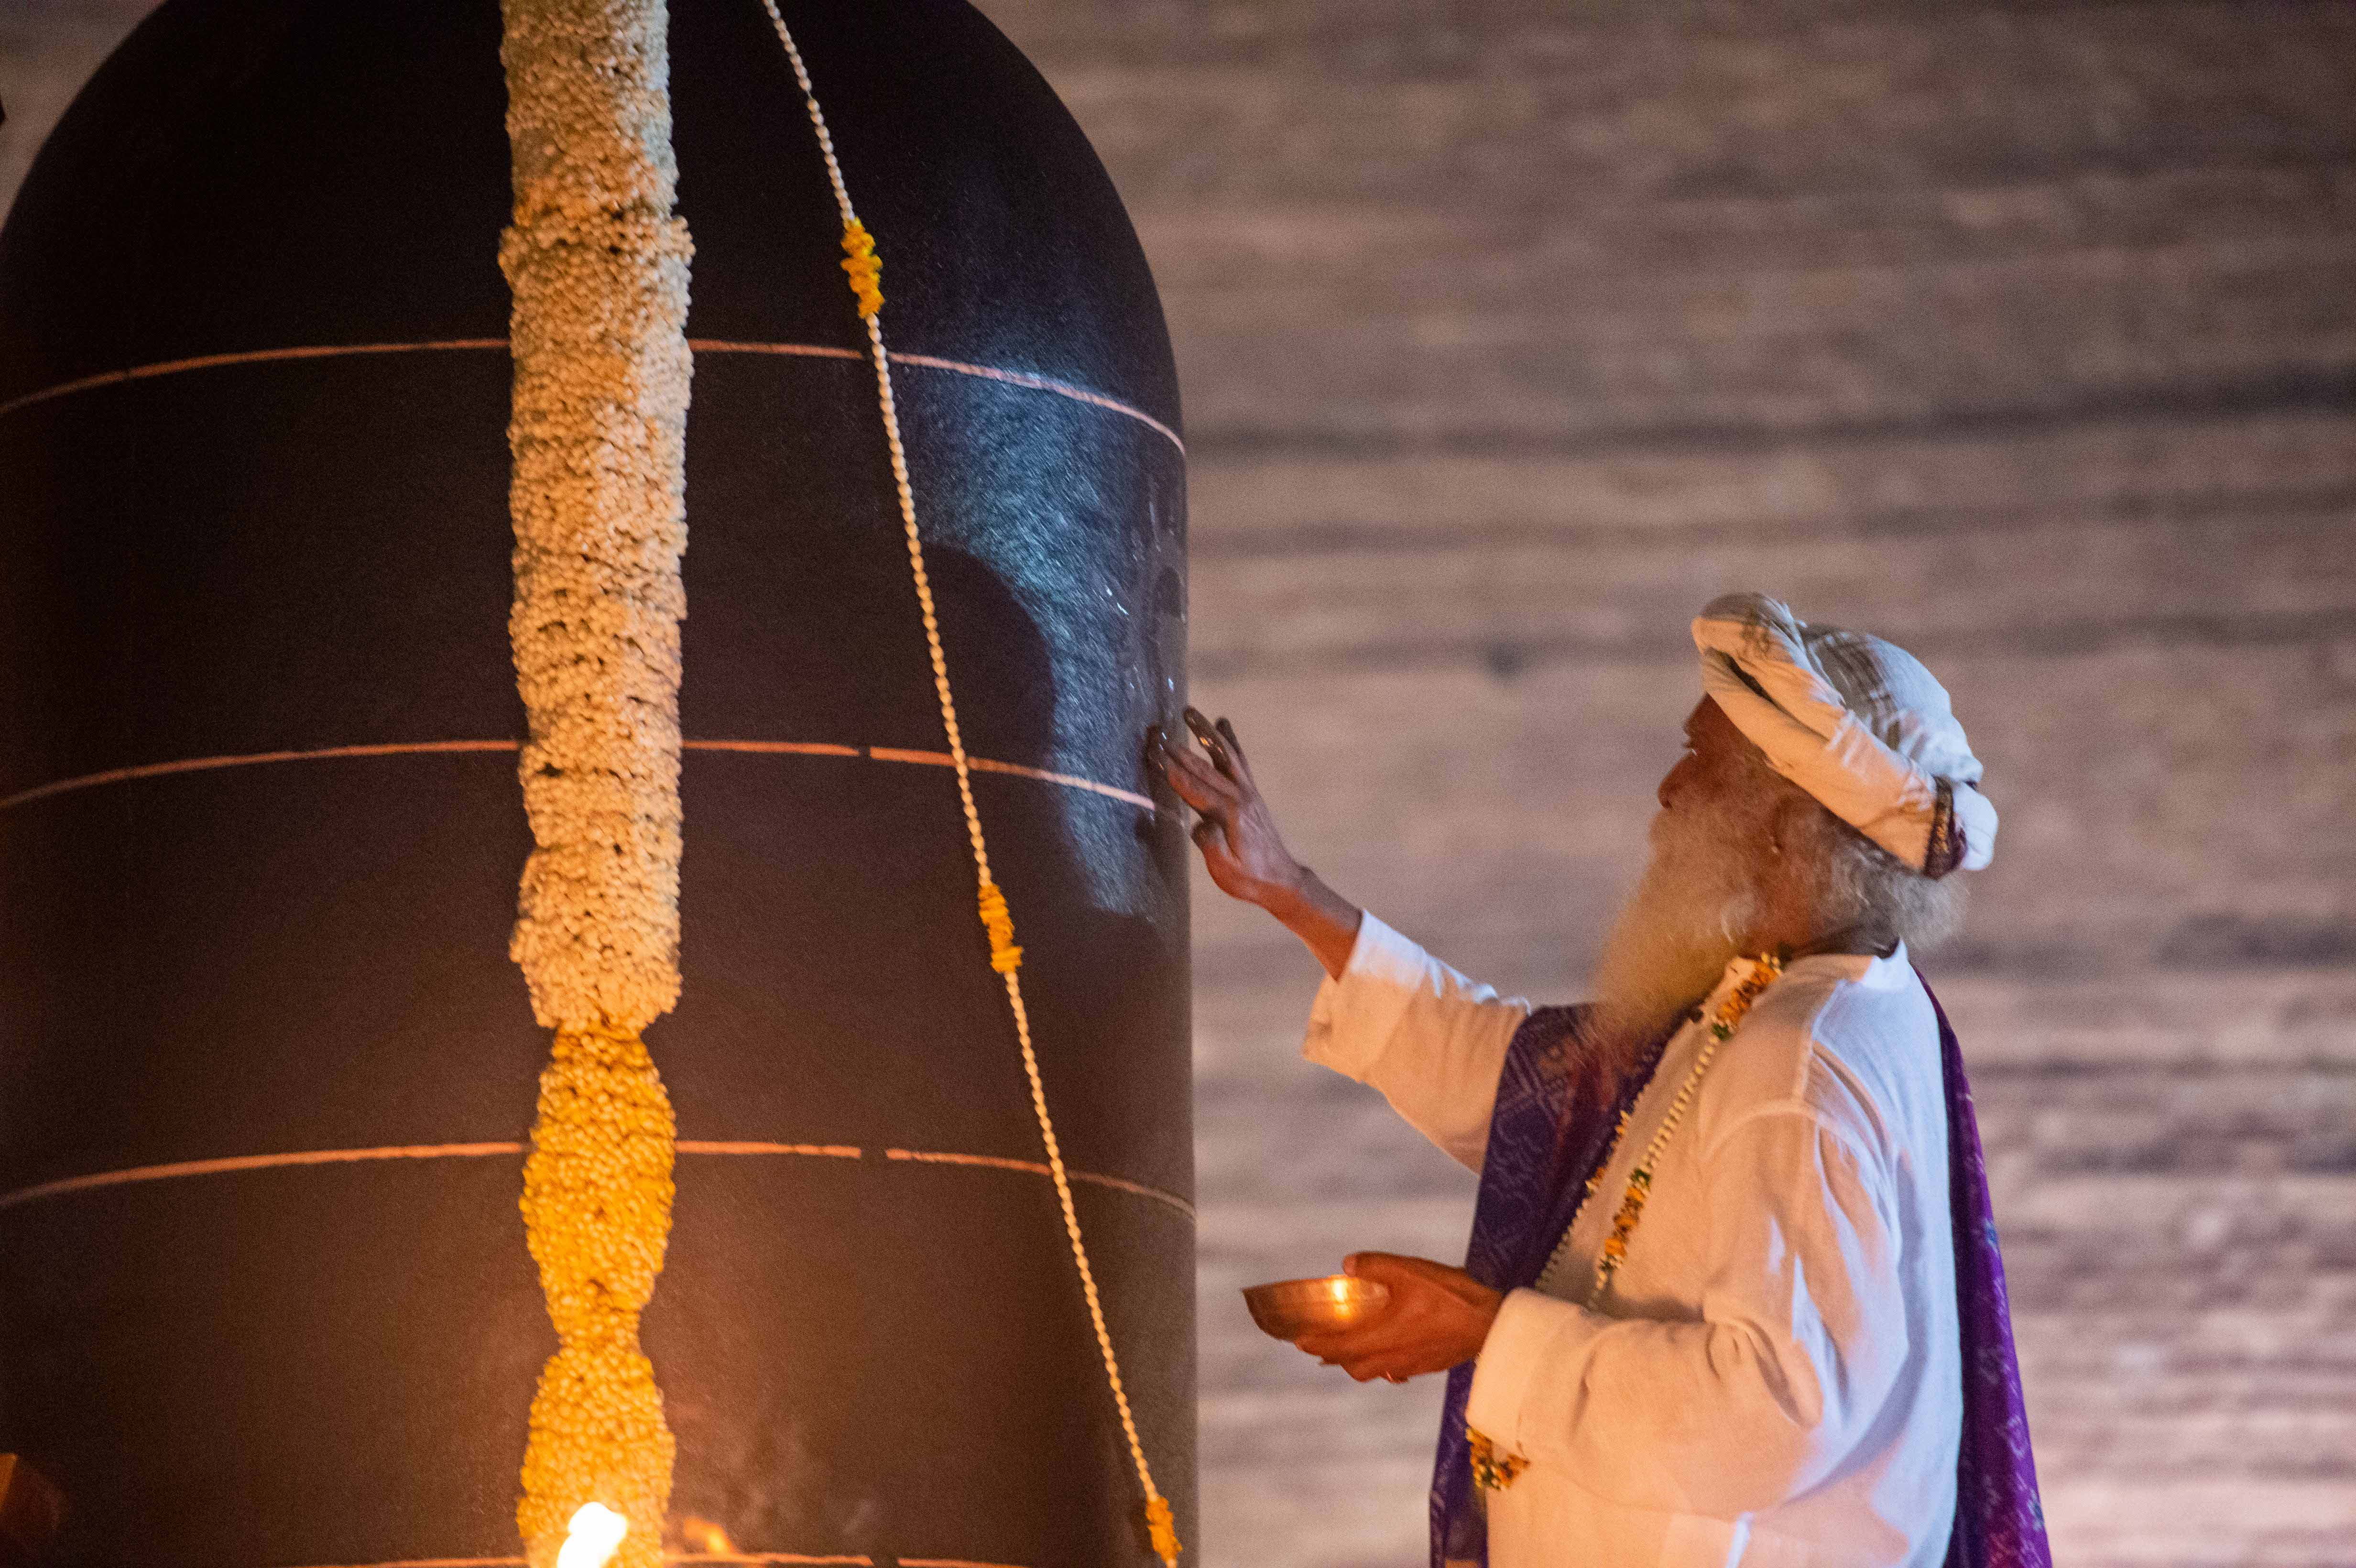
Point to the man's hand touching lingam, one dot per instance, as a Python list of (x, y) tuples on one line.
[(1438, 1317), (1241, 846)]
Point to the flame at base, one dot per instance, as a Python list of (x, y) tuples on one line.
[(593, 1537), (706, 1537)]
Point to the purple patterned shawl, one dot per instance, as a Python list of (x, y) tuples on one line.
[(1532, 1179)]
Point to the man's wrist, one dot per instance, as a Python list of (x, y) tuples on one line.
[(1326, 922), (1289, 898)]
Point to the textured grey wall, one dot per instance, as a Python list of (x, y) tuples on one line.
[(2022, 333)]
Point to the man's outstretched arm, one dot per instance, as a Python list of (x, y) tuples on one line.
[(1241, 848), (1390, 1014)]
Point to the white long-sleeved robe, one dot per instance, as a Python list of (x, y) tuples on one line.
[(1772, 1379)]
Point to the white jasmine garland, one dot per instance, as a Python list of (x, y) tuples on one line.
[(599, 269)]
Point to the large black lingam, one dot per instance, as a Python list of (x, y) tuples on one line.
[(259, 828)]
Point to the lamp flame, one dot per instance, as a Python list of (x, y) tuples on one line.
[(707, 1536), (593, 1537)]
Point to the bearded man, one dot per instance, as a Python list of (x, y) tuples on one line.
[(1733, 1295)]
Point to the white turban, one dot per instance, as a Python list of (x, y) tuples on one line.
[(1857, 722)]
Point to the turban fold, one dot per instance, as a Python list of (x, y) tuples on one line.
[(1857, 722)]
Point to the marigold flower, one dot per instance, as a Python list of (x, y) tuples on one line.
[(865, 267)]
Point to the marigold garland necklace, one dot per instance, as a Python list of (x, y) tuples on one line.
[(1753, 976), (1492, 1471)]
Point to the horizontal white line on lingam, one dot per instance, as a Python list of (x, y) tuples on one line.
[(180, 1169), (429, 748), (1024, 378)]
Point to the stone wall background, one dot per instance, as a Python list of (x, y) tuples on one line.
[(2023, 333)]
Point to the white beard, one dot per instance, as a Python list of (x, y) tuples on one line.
[(1688, 914)]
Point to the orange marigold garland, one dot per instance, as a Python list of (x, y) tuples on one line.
[(999, 921), (596, 1204), (866, 268)]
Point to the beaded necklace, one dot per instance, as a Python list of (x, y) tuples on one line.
[(1754, 976), (1494, 1471)]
